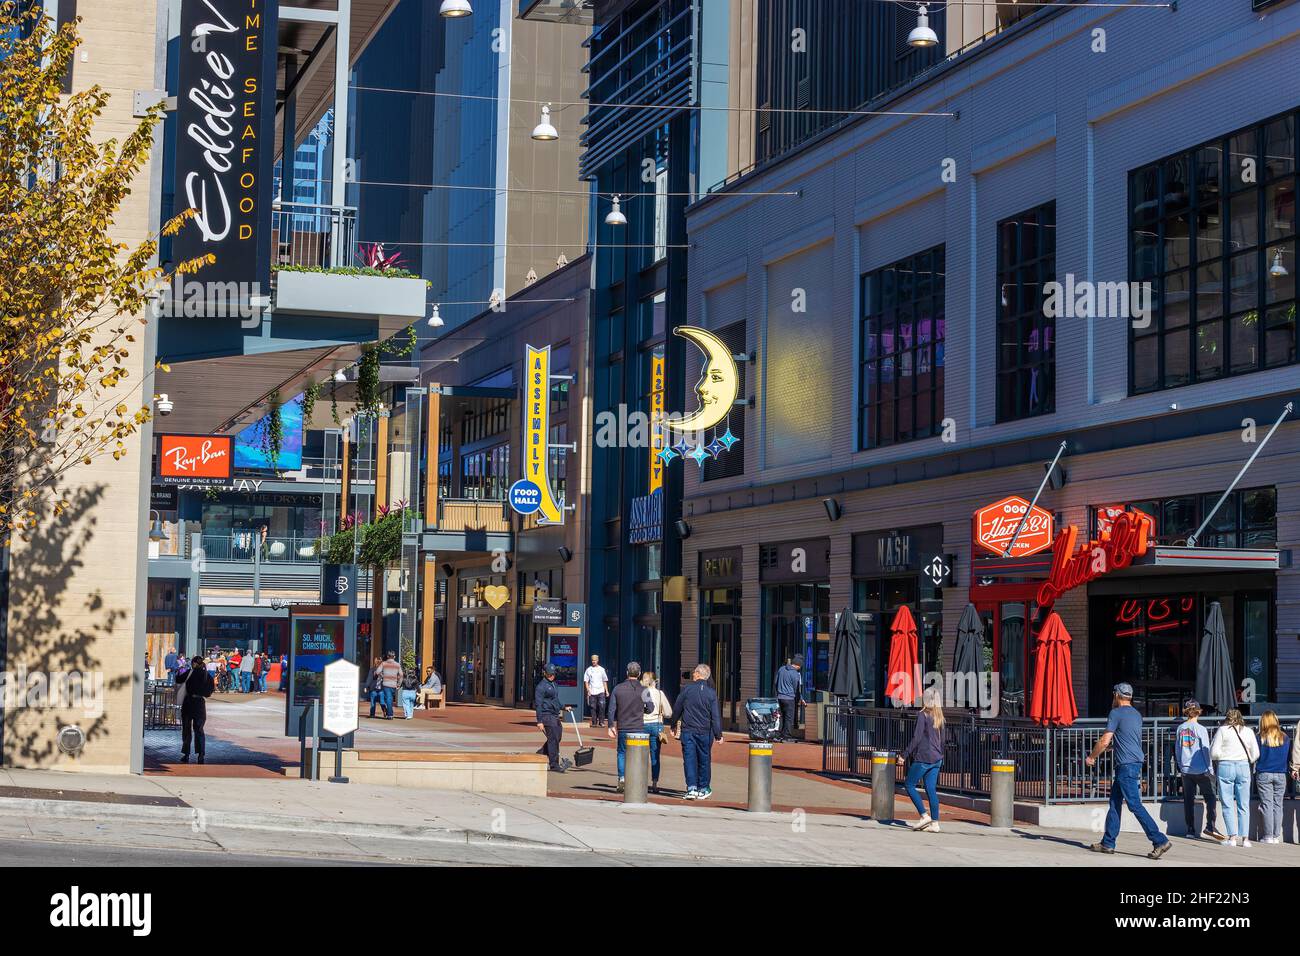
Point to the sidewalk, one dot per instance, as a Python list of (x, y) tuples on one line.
[(392, 824)]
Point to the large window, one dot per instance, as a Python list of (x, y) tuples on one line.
[(1247, 519), (1213, 230), (1026, 334), (486, 474), (901, 361)]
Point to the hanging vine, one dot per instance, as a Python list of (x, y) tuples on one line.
[(309, 396), (334, 403), (273, 431), (368, 398)]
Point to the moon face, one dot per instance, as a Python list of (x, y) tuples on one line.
[(718, 382)]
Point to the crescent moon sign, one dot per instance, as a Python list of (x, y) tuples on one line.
[(719, 382)]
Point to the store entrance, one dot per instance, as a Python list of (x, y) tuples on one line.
[(1010, 629), (481, 659), (723, 655)]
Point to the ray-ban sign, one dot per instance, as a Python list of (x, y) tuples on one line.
[(195, 459), (225, 124)]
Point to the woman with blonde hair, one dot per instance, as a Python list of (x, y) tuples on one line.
[(1234, 752), (926, 753), (658, 711), (1271, 770)]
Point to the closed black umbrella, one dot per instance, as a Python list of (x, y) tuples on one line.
[(846, 657), (1215, 688), (967, 656)]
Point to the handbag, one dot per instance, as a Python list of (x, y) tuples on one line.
[(1254, 777)]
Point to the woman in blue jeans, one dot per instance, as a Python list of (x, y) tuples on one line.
[(658, 713), (1234, 751), (926, 754)]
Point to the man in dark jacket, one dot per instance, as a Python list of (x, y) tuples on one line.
[(627, 710), (789, 681), (697, 723), (194, 709), (546, 701)]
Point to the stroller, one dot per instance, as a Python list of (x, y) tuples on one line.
[(764, 715)]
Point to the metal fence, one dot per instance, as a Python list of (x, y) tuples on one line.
[(1050, 761), (160, 709), (241, 545), (314, 236)]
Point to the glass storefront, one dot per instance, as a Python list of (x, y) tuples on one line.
[(480, 658), (531, 650), (720, 630), (243, 633), (877, 601), (796, 625)]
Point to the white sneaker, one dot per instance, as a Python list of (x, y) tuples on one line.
[(922, 823), (1229, 841), (933, 828), (1245, 843)]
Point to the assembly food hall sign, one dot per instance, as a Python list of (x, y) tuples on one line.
[(225, 124), (535, 486)]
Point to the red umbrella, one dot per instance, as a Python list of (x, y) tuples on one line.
[(1052, 702), (904, 684)]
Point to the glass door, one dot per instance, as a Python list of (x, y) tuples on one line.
[(724, 658)]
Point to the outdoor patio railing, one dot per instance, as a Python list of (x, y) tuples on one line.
[(240, 546), (160, 709), (1050, 761)]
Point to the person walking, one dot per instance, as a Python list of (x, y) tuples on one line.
[(1295, 755), (546, 704), (627, 710), (925, 753), (1271, 771), (233, 664), (596, 682), (375, 685), (410, 690), (789, 683), (198, 686), (263, 666), (284, 673), (697, 723), (246, 672), (1192, 743), (390, 676), (169, 663), (658, 712), (1124, 731), (1234, 752)]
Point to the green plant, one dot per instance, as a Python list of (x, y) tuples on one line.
[(272, 430), (368, 399), (309, 396), (334, 403), (382, 542), (351, 271)]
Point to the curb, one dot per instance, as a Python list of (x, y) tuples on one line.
[(201, 820)]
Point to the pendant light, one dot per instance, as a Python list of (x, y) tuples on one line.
[(435, 320), (615, 217), (1277, 270), (922, 36), (455, 8), (544, 131)]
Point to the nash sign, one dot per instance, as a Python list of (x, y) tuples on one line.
[(993, 525), (1129, 538)]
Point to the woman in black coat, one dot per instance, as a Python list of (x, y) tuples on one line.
[(194, 709)]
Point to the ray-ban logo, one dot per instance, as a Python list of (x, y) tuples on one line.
[(76, 909)]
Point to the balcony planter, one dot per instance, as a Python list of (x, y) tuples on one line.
[(332, 293)]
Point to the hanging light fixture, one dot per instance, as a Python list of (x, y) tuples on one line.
[(544, 131), (455, 8), (1277, 270), (435, 320), (615, 217), (922, 36), (156, 531)]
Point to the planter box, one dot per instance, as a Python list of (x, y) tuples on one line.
[(324, 293)]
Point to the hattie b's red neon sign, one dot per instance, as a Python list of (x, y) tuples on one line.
[(1127, 539)]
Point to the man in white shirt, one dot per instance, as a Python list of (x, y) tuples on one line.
[(597, 683)]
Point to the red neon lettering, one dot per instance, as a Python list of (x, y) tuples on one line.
[(1070, 568)]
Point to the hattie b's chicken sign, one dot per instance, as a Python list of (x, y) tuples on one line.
[(993, 525), (1128, 538)]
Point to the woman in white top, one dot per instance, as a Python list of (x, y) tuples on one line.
[(1234, 751), (658, 712)]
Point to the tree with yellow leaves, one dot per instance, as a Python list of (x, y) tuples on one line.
[(72, 298)]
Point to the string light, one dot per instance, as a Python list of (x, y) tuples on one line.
[(454, 9), (544, 131), (615, 217)]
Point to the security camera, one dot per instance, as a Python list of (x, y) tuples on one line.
[(165, 404)]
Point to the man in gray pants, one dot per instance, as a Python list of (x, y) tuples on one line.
[(789, 681)]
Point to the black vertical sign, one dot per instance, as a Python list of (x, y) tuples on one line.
[(225, 128)]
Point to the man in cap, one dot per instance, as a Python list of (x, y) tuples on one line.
[(1124, 731), (546, 701)]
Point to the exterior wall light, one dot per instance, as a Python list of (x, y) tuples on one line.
[(544, 131), (616, 217), (455, 8), (922, 36), (435, 320)]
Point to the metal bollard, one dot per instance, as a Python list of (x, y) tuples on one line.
[(636, 782), (760, 776), (1002, 794), (882, 786)]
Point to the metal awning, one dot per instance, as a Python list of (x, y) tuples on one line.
[(1160, 558)]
